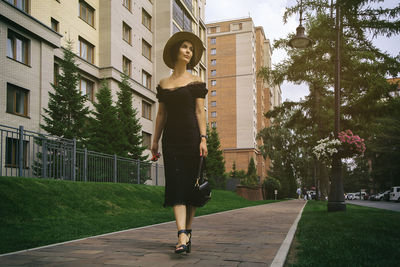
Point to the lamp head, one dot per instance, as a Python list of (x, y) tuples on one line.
[(300, 40)]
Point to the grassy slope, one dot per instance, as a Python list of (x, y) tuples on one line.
[(360, 236), (35, 212)]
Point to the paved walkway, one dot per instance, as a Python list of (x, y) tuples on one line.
[(244, 237)]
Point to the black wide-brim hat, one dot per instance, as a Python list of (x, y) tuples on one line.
[(183, 36)]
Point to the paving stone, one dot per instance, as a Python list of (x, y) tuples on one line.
[(244, 237), (253, 264)]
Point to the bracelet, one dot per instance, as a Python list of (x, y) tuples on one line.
[(205, 136)]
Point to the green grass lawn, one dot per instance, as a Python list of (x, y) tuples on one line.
[(36, 212), (360, 236)]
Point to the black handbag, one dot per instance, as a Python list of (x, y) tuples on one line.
[(202, 186)]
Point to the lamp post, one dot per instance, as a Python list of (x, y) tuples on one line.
[(336, 195)]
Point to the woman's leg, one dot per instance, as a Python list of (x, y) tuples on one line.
[(190, 212), (180, 219)]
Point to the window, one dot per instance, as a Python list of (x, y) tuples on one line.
[(213, 62), (175, 28), (213, 103), (146, 110), (213, 72), (202, 73), (86, 50), (126, 66), (236, 26), (146, 19), (213, 93), (86, 88), (214, 124), (56, 73), (126, 32), (213, 40), (213, 82), (127, 4), (12, 152), (202, 34), (86, 13), (146, 50), (146, 79), (212, 29), (17, 100), (213, 51), (181, 17), (214, 114), (54, 25), (20, 4), (17, 47), (146, 141)]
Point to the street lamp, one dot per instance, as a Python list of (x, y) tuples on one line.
[(336, 194), (300, 40)]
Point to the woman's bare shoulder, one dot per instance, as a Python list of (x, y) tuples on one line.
[(164, 82)]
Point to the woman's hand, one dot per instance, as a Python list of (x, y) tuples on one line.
[(203, 148), (154, 149)]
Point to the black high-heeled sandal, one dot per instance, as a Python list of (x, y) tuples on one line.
[(183, 247), (189, 234)]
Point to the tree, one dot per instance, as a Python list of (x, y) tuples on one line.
[(127, 117), (271, 184), (284, 147), (105, 130), (251, 178), (364, 72), (66, 111), (215, 160)]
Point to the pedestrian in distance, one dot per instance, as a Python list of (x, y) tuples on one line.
[(298, 191), (304, 191), (182, 122)]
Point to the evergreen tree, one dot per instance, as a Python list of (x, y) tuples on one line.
[(215, 160), (251, 177), (105, 131), (127, 117), (233, 173), (66, 111)]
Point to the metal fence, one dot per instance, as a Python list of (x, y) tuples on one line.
[(29, 154)]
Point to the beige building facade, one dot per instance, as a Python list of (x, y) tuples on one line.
[(173, 16), (109, 38), (237, 97), (26, 58)]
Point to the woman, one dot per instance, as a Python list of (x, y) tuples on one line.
[(181, 119)]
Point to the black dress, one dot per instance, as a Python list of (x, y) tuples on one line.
[(180, 142)]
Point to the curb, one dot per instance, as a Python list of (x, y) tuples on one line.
[(281, 255)]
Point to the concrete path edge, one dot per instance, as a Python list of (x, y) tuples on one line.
[(283, 251)]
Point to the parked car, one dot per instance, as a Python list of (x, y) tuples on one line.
[(395, 193), (379, 196), (386, 195), (363, 195), (350, 196), (311, 194)]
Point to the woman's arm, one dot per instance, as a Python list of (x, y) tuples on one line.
[(161, 119), (201, 119)]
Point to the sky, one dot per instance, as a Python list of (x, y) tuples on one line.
[(269, 15)]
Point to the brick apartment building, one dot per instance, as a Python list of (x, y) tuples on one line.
[(237, 98)]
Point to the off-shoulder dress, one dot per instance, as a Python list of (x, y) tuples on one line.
[(181, 142)]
